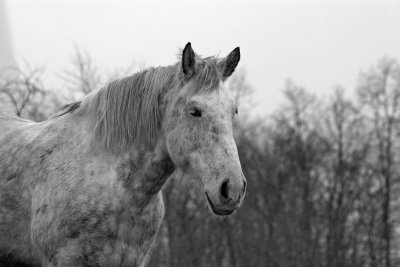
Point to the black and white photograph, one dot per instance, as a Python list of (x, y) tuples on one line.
[(224, 133)]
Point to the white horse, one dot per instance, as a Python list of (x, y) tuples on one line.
[(84, 187)]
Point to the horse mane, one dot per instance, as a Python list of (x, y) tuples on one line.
[(126, 111)]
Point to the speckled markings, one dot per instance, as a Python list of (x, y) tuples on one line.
[(84, 187), (63, 203)]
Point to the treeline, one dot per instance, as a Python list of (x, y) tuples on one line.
[(323, 176)]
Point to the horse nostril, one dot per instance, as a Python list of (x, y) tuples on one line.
[(224, 190), (244, 186)]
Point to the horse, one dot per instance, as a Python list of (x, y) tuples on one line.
[(83, 188)]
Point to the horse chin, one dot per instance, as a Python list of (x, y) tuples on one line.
[(216, 211)]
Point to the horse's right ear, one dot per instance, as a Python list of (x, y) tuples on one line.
[(229, 64), (188, 61)]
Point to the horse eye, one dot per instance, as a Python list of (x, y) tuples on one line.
[(195, 113), (236, 111)]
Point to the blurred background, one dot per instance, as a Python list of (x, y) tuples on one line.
[(318, 131)]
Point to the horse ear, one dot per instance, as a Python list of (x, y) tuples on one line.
[(229, 64), (188, 61)]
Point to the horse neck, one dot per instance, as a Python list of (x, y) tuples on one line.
[(146, 168), (144, 172), (143, 169)]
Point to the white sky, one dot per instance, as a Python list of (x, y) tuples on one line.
[(318, 44)]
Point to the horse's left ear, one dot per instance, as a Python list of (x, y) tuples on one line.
[(188, 61), (229, 64)]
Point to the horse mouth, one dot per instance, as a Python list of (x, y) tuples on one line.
[(220, 212)]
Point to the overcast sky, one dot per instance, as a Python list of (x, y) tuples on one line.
[(317, 44)]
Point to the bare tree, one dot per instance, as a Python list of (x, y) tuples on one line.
[(379, 91), (23, 90), (83, 75), (345, 181)]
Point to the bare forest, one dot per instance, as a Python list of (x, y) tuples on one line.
[(323, 174)]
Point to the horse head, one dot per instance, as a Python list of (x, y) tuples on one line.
[(198, 128)]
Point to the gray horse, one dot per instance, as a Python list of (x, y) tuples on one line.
[(84, 187)]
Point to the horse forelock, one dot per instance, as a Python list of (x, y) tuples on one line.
[(126, 111), (207, 75)]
